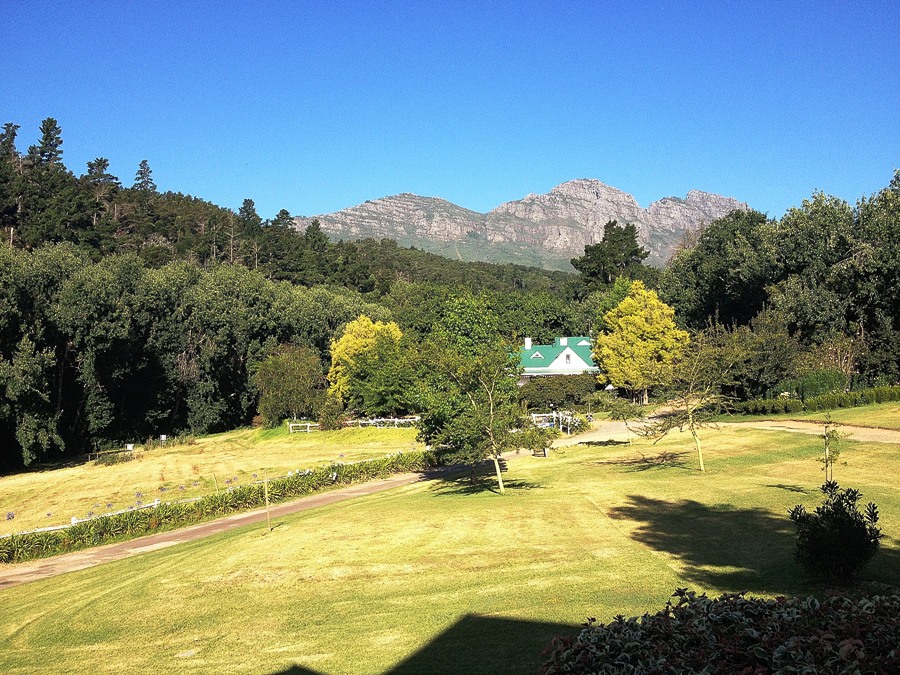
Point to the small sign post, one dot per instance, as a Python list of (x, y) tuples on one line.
[(266, 490)]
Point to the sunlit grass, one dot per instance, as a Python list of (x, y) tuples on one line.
[(884, 415), (359, 586), (183, 471)]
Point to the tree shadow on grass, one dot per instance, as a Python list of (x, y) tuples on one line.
[(719, 546), (479, 479), (732, 549), (791, 488), (478, 644), (663, 460), (603, 444)]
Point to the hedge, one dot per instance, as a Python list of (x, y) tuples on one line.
[(171, 515), (832, 401), (813, 383), (736, 634)]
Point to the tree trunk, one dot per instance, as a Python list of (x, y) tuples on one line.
[(697, 443), (645, 398), (499, 475)]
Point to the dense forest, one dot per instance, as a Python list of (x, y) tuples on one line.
[(127, 313)]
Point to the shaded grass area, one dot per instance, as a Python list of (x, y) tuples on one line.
[(449, 576), (183, 471)]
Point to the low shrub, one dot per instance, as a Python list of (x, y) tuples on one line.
[(836, 540), (118, 457), (737, 634), (170, 515)]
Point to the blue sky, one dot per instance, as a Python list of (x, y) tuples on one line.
[(317, 106)]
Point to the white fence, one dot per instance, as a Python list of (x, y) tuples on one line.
[(563, 420), (379, 422), (296, 427), (383, 422)]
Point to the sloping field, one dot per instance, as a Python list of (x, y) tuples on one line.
[(52, 497), (450, 576), (881, 415)]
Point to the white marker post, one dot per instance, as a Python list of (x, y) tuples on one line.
[(266, 490)]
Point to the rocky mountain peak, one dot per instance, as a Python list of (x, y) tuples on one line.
[(539, 229)]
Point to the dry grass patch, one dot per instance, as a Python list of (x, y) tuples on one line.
[(183, 471)]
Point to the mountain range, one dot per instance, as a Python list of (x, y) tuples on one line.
[(542, 230)]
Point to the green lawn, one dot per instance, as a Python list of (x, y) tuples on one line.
[(51, 497), (884, 415), (446, 575)]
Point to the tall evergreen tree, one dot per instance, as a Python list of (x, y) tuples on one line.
[(250, 221), (143, 179), (48, 151), (617, 254), (53, 206), (9, 179)]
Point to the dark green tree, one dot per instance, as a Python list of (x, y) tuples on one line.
[(47, 152), (143, 178), (103, 187), (251, 223), (468, 392), (724, 277), (617, 254), (52, 205), (291, 385), (10, 183), (283, 219)]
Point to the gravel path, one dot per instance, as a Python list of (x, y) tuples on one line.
[(617, 431), (865, 434)]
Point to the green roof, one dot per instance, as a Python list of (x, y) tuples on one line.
[(543, 356)]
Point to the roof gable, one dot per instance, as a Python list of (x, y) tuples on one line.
[(547, 357)]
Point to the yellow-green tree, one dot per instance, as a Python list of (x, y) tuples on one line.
[(641, 344), (359, 337)]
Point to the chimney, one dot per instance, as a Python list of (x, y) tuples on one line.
[(527, 343), (564, 342)]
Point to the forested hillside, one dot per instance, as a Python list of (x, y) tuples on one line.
[(42, 202), (126, 313)]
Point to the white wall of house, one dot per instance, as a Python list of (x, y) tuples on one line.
[(568, 362)]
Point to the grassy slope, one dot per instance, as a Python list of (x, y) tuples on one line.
[(358, 587), (77, 490), (884, 415)]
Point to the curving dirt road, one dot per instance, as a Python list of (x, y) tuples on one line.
[(617, 431), (864, 434)]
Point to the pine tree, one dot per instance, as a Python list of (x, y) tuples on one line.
[(143, 179), (48, 151)]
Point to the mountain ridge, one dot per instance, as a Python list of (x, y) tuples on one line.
[(545, 230)]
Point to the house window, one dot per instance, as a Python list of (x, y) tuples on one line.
[(568, 358)]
